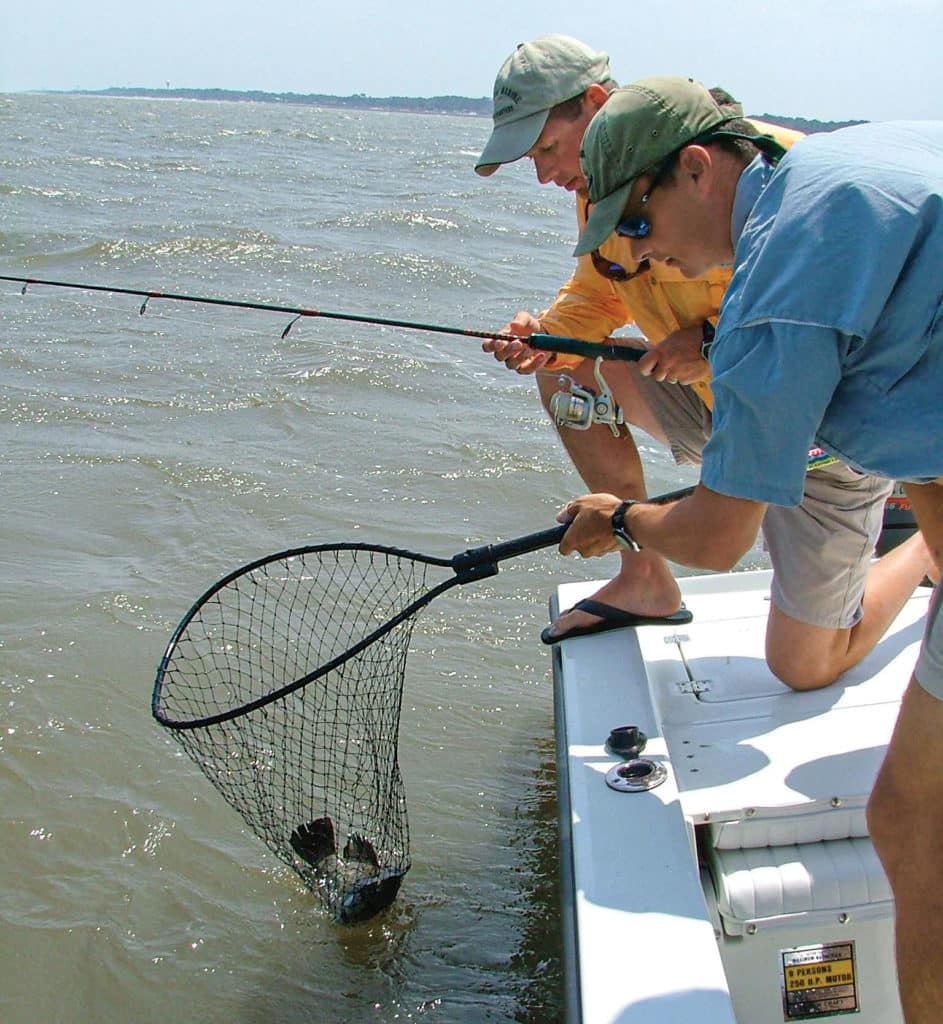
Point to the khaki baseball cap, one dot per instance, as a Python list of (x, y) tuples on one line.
[(537, 76), (639, 127)]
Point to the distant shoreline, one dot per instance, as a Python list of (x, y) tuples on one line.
[(360, 101), (460, 105)]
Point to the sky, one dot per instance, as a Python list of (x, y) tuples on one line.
[(824, 59)]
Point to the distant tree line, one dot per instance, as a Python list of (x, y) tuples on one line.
[(358, 101), (480, 106), (804, 124)]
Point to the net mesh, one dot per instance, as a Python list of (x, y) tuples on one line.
[(284, 685)]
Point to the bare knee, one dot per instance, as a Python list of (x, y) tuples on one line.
[(892, 816), (903, 812), (800, 672), (804, 656), (882, 813)]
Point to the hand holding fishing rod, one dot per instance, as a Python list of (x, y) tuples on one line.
[(524, 348)]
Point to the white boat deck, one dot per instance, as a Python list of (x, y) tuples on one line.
[(741, 752)]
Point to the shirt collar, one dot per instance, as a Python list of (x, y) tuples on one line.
[(752, 182)]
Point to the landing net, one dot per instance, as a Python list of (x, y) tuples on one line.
[(284, 684)]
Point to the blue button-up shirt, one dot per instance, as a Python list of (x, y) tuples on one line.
[(831, 331)]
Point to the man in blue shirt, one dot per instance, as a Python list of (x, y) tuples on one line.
[(831, 332)]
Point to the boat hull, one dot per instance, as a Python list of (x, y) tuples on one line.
[(743, 887)]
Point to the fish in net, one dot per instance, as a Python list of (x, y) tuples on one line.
[(284, 685)]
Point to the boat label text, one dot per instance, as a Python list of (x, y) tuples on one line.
[(819, 980)]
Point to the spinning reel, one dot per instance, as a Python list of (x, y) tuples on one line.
[(579, 408)]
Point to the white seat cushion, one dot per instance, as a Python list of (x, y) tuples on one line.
[(842, 876), (766, 828)]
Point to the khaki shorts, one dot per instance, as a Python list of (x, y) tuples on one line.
[(821, 549), (685, 419), (929, 670)]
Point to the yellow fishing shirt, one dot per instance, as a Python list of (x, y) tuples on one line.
[(658, 303)]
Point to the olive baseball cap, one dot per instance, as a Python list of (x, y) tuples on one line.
[(537, 76), (639, 127)]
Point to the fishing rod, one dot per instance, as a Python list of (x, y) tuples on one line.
[(542, 342)]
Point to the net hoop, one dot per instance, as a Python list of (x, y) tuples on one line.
[(282, 691)]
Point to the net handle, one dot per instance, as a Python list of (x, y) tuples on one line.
[(477, 563)]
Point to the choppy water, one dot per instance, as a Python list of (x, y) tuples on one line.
[(141, 457)]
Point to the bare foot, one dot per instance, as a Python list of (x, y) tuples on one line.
[(644, 586)]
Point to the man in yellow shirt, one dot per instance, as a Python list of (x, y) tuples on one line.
[(829, 604)]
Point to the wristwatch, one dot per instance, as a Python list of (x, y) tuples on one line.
[(623, 537), (707, 337)]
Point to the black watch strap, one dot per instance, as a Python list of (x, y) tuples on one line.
[(624, 538)]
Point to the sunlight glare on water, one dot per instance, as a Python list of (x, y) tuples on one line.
[(144, 456)]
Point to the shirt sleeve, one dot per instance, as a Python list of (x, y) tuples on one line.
[(772, 382)]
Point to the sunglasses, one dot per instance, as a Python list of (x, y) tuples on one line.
[(633, 226), (636, 225)]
